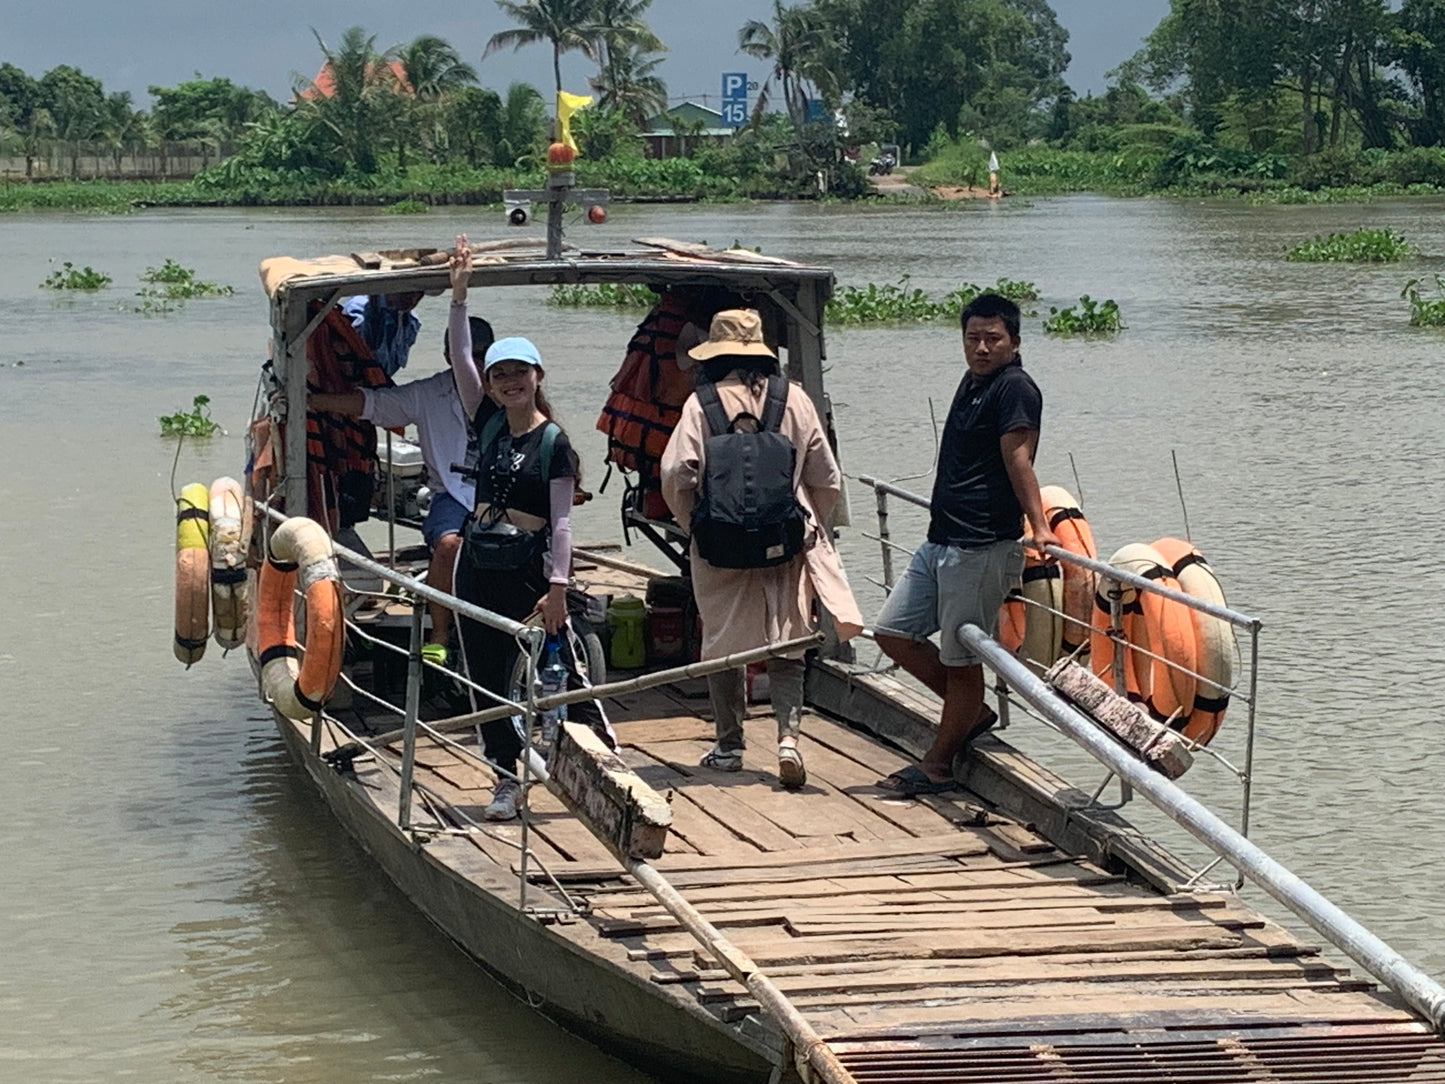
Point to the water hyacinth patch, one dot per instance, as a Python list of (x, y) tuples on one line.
[(607, 295), (1089, 317), (900, 303), (874, 304), (1425, 311), (406, 207), (70, 277), (195, 422), (1362, 246), (170, 285)]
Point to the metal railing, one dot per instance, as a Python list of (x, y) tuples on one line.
[(1423, 993), (1119, 580), (810, 1055)]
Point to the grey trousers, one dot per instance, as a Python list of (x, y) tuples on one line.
[(728, 692)]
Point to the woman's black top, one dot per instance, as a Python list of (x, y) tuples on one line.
[(511, 471)]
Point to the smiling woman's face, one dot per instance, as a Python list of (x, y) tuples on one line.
[(513, 383)]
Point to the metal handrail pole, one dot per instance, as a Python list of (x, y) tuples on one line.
[(1116, 636), (883, 539), (1249, 731), (524, 779), (810, 1050), (424, 590), (1419, 990), (1142, 583), (889, 488), (413, 709), (390, 504)]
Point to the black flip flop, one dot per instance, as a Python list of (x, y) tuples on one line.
[(913, 781)]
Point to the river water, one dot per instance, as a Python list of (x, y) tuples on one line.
[(179, 906)]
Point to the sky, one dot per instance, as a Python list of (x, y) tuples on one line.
[(268, 43)]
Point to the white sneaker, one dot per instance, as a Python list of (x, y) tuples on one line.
[(503, 806)]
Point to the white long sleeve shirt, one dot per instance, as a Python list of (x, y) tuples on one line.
[(434, 407)]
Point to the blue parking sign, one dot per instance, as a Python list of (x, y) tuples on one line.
[(734, 99)]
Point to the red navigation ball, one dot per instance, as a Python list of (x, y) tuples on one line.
[(597, 214)]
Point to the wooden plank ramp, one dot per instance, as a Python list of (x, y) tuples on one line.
[(938, 940)]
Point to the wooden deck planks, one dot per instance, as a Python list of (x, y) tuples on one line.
[(885, 917)]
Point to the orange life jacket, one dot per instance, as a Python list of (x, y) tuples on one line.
[(340, 450), (647, 393)]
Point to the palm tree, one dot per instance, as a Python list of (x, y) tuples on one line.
[(618, 29), (350, 106), (798, 46), (628, 85), (121, 125), (433, 68), (519, 130), (568, 24)]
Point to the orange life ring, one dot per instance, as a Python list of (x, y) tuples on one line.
[(1066, 520), (1034, 631), (1213, 638), (193, 574), (300, 555), (1155, 624)]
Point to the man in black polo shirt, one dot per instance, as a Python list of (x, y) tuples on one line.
[(984, 487)]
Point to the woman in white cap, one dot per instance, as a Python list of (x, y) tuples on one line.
[(516, 555), (743, 608)]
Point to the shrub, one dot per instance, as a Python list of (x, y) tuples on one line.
[(1362, 246), (1425, 311), (622, 295), (1333, 169), (70, 277), (1090, 317), (195, 422), (406, 207), (1418, 165)]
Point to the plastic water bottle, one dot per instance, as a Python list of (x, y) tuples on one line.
[(552, 679)]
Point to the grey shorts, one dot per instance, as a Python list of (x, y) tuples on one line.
[(945, 587)]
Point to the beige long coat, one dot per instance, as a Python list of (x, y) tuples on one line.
[(744, 608)]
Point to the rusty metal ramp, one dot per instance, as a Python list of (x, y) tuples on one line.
[(1323, 1053)]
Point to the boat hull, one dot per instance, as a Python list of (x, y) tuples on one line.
[(585, 993)]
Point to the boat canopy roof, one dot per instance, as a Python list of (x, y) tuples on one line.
[(655, 260)]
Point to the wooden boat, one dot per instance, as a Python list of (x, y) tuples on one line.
[(1010, 931)]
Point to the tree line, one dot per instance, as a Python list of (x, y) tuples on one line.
[(1237, 82)]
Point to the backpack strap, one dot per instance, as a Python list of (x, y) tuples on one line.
[(549, 441), (772, 419), (718, 422)]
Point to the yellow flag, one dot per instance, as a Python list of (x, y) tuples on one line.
[(567, 104)]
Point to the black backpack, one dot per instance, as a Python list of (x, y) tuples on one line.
[(746, 515)]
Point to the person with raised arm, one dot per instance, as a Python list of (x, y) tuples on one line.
[(516, 553)]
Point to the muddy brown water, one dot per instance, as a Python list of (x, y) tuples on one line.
[(178, 905)]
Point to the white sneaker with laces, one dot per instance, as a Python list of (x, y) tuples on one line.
[(503, 806)]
